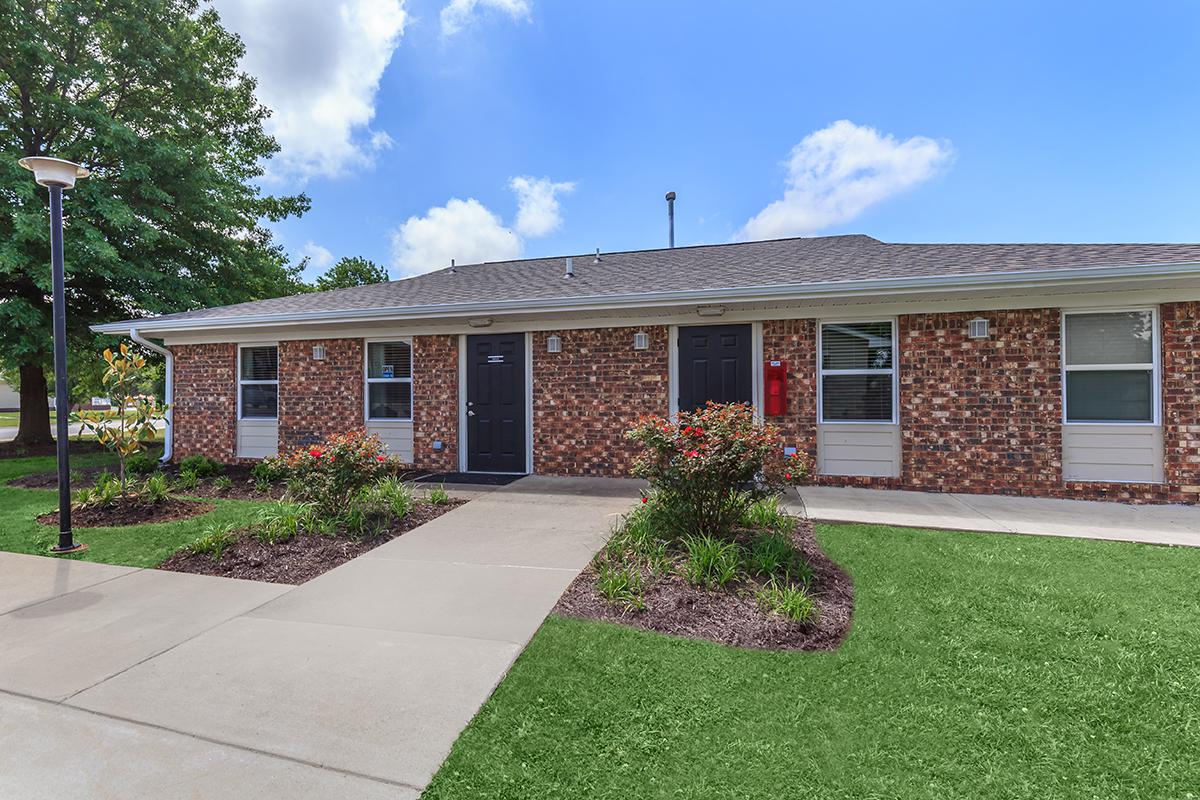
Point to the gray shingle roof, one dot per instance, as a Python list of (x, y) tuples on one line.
[(728, 266)]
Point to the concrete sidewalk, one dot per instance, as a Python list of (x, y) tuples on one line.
[(1154, 524), (358, 681)]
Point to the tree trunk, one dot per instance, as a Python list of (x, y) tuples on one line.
[(35, 407)]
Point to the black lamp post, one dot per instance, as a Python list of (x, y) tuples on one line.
[(56, 174)]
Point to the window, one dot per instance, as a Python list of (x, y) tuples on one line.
[(258, 382), (389, 381), (1110, 366), (858, 375)]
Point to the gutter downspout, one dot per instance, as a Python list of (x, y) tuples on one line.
[(168, 389)]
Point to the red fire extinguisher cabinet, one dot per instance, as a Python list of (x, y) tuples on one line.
[(775, 388)]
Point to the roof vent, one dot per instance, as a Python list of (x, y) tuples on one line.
[(452, 270), (570, 273), (597, 261)]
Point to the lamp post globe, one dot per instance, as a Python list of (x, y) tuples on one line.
[(57, 174)]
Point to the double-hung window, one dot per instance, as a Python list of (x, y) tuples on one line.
[(1110, 366), (389, 380), (258, 382), (858, 371)]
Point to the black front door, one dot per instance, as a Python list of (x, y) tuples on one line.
[(496, 403), (714, 364)]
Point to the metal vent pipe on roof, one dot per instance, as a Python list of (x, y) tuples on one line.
[(670, 219), (570, 273)]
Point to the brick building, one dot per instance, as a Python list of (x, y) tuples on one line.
[(1051, 370)]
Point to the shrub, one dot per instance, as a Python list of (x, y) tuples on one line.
[(787, 600), (438, 495), (269, 470), (201, 466), (156, 489), (711, 562), (223, 483), (704, 465), (187, 480), (214, 541), (772, 555), (141, 464), (620, 585), (329, 475)]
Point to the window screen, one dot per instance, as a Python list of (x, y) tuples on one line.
[(258, 378), (389, 380), (1109, 364), (857, 372)]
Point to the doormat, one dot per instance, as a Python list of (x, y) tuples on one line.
[(477, 478)]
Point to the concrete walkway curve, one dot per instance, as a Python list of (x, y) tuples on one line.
[(1085, 519), (354, 684)]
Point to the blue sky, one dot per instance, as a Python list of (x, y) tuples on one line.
[(966, 122)]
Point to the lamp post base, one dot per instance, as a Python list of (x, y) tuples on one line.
[(77, 547)]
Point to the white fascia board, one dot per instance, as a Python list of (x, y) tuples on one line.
[(748, 294)]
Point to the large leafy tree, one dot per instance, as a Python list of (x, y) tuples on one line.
[(351, 271), (148, 94)]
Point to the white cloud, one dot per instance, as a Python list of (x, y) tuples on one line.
[(836, 173), (319, 258), (457, 14), (538, 213), (464, 230), (318, 65)]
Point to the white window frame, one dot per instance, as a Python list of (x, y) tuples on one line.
[(1155, 367), (367, 381), (243, 382), (893, 370)]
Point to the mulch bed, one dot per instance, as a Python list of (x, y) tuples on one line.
[(730, 616), (80, 478), (300, 558), (131, 511)]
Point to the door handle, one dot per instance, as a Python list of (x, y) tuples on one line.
[(470, 413)]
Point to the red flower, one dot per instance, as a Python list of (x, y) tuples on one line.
[(315, 453), (645, 499), (381, 458), (787, 476)]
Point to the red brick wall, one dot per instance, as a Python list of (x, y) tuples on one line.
[(318, 399), (435, 402), (981, 415), (205, 401), (1181, 403), (795, 341), (587, 396)]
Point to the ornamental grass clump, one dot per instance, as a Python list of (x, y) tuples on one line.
[(706, 466)]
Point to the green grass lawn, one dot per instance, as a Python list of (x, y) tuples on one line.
[(13, 418), (133, 545), (978, 666)]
